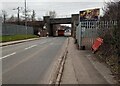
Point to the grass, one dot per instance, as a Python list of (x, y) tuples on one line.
[(16, 37)]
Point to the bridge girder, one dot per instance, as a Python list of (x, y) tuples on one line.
[(61, 21)]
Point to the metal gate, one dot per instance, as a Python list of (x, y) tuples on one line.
[(88, 31)]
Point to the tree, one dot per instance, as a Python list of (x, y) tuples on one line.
[(13, 19), (33, 15), (111, 46), (52, 14), (4, 13), (28, 15), (111, 10), (40, 19)]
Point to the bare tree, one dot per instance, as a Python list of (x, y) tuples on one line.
[(52, 14), (28, 15), (111, 10), (11, 19), (111, 47), (4, 13), (33, 15), (40, 19)]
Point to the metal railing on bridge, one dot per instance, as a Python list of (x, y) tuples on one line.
[(63, 16)]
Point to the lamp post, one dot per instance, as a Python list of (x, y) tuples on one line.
[(18, 9)]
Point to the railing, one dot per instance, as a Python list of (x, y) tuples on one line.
[(63, 16), (88, 31), (11, 29)]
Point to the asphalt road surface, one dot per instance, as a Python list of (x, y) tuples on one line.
[(30, 62)]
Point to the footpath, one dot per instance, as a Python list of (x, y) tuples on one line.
[(82, 67)]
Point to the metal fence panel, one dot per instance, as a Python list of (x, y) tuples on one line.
[(11, 29), (0, 53), (88, 31)]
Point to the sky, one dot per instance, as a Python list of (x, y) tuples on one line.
[(63, 8)]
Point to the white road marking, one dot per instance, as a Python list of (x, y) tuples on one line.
[(8, 55), (30, 47)]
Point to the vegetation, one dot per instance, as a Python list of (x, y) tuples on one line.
[(110, 49), (52, 14), (33, 16), (16, 37)]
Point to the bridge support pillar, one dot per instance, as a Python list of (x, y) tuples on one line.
[(48, 25), (75, 21)]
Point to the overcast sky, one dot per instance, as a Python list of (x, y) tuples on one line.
[(62, 7)]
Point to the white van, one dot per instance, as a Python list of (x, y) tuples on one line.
[(67, 32)]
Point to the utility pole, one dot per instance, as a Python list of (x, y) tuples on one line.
[(26, 17), (4, 15), (18, 15), (18, 9), (4, 18)]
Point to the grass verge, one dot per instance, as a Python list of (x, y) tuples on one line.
[(16, 37)]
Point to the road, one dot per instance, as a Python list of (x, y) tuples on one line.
[(30, 62)]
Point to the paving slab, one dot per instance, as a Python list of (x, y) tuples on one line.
[(69, 76)]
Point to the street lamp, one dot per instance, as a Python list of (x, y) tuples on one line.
[(18, 8)]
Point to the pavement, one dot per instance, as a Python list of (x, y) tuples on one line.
[(82, 67)]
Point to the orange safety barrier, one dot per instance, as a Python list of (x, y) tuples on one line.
[(97, 44)]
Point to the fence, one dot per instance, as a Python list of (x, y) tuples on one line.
[(63, 16), (88, 31), (11, 29)]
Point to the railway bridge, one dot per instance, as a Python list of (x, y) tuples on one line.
[(49, 22)]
